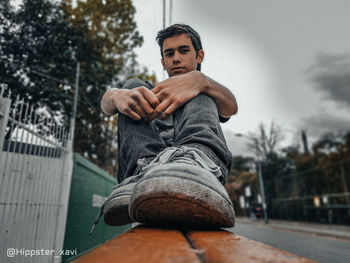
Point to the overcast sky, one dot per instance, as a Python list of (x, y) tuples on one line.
[(285, 61)]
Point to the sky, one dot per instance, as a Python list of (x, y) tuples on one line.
[(286, 62)]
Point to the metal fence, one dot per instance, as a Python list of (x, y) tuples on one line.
[(35, 174), (319, 195)]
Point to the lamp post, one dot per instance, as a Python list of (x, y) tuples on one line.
[(261, 181), (262, 188)]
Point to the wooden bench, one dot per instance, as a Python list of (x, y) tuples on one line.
[(146, 244)]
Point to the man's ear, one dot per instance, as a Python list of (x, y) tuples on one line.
[(200, 56), (162, 60)]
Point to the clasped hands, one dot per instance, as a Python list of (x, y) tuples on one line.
[(163, 99)]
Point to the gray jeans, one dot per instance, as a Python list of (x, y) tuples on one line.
[(195, 124)]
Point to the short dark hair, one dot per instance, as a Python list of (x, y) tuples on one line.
[(178, 29)]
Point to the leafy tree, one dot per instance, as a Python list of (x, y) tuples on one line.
[(42, 42), (291, 177), (111, 27), (241, 175), (324, 171), (35, 39)]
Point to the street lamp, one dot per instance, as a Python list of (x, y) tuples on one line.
[(261, 181), (262, 192)]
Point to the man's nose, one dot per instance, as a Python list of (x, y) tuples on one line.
[(176, 58)]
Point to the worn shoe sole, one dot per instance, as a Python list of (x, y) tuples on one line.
[(116, 210), (191, 197)]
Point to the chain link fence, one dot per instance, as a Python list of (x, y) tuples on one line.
[(319, 195)]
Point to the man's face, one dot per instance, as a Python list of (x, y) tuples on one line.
[(179, 55)]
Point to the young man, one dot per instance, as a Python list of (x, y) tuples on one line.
[(173, 158)]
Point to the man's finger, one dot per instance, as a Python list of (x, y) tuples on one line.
[(137, 96), (156, 89), (159, 109), (145, 105), (134, 115), (137, 109), (151, 98), (168, 111)]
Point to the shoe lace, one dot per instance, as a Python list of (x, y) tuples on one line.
[(184, 154), (128, 180)]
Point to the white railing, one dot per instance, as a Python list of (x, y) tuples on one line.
[(35, 174)]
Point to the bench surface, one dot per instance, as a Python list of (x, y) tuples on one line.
[(145, 244)]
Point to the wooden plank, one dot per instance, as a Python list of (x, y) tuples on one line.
[(143, 244), (223, 246)]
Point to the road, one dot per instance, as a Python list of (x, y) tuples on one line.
[(322, 249)]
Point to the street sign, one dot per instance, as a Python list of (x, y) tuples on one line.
[(247, 191), (241, 201)]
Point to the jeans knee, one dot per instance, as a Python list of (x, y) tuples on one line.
[(201, 103), (134, 83)]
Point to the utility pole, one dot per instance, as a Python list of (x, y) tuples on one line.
[(262, 188), (170, 12), (261, 181), (164, 8), (72, 122), (164, 13), (304, 139)]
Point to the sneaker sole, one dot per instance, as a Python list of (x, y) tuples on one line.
[(116, 211), (178, 200)]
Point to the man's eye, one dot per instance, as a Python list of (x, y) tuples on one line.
[(184, 50), (169, 54)]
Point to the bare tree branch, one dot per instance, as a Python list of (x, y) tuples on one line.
[(266, 140)]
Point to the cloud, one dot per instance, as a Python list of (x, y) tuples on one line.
[(318, 125), (237, 145), (331, 75)]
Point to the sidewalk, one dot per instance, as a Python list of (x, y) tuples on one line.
[(336, 231)]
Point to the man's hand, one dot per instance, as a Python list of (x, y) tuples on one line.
[(167, 96), (136, 103), (176, 91)]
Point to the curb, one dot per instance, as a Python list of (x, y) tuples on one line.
[(334, 231)]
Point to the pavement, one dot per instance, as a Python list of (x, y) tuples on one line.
[(328, 230)]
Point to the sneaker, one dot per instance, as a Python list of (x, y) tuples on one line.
[(180, 187), (115, 208)]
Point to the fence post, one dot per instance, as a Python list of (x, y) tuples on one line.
[(345, 185), (4, 115), (65, 185), (67, 175), (344, 182)]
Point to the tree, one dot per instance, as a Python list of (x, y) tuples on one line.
[(240, 177), (111, 27), (35, 39), (292, 176), (265, 141), (43, 42)]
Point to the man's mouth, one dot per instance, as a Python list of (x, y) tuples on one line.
[(177, 69)]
